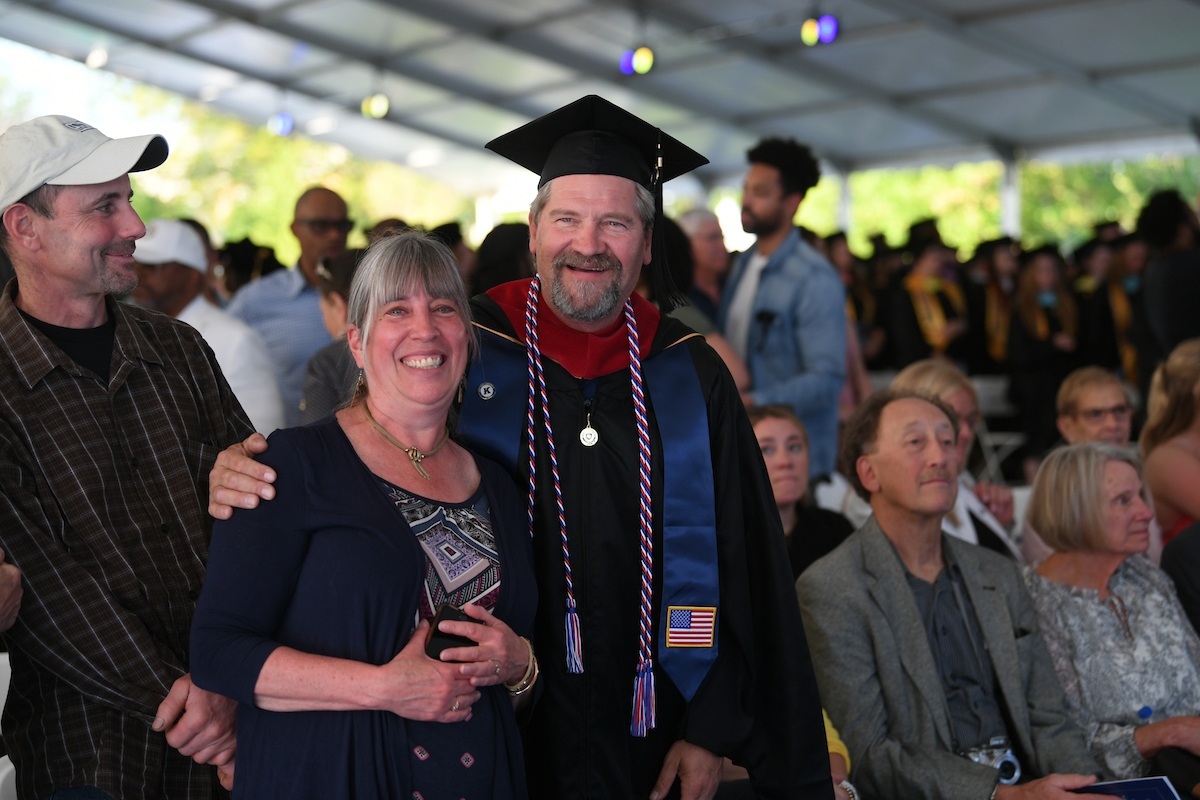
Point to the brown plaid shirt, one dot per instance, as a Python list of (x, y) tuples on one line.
[(103, 498)]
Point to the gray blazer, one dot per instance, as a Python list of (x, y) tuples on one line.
[(881, 688)]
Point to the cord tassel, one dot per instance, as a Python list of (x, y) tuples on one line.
[(643, 700), (574, 642)]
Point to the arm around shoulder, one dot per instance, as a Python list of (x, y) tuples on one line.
[(243, 601)]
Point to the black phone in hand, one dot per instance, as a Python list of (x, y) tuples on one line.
[(440, 640)]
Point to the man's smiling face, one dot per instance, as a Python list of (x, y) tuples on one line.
[(589, 245)]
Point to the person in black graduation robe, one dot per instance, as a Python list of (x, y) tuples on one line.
[(758, 704)]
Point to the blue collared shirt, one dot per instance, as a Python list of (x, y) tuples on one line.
[(285, 311)]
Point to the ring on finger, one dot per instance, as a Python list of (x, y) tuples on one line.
[(497, 663), (455, 706)]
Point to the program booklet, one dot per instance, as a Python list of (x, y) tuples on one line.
[(1134, 789)]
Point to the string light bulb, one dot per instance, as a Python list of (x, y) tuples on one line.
[(640, 61), (281, 124), (827, 28), (375, 106), (97, 58), (819, 30), (809, 32)]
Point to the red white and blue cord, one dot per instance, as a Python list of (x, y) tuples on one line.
[(643, 689), (533, 355), (643, 685)]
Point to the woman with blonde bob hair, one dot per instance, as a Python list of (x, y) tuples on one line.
[(983, 512), (1123, 649), (1170, 442)]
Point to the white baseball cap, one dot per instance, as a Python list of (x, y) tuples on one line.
[(66, 152), (168, 240)]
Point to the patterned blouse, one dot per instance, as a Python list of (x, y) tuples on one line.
[(461, 566), (1124, 662)]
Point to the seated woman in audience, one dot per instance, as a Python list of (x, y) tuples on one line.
[(1125, 654), (1170, 441), (811, 532), (316, 607), (1042, 349), (983, 512)]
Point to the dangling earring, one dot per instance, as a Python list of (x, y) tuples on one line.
[(360, 388), (462, 385)]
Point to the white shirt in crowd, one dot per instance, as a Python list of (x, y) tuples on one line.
[(243, 359), (737, 320)]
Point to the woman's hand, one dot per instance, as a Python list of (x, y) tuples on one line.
[(500, 655), (999, 501), (414, 686)]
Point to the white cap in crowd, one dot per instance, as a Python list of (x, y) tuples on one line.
[(66, 152), (168, 240)]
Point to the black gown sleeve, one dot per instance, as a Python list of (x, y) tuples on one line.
[(908, 343), (759, 703)]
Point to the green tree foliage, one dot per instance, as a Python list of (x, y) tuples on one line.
[(241, 180), (964, 199), (819, 211), (1061, 202)]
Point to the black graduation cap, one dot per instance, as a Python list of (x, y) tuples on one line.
[(594, 137)]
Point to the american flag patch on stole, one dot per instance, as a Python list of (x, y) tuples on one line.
[(690, 626)]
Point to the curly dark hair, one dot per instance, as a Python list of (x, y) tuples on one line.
[(798, 168), (1158, 223), (862, 430)]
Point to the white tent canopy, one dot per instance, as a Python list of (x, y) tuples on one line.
[(905, 82)]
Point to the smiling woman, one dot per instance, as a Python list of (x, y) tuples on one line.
[(366, 534)]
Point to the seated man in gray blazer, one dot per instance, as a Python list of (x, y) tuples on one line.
[(926, 648)]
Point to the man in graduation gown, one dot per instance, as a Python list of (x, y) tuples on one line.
[(668, 633)]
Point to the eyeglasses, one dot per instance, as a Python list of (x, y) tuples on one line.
[(324, 226), (1095, 416)]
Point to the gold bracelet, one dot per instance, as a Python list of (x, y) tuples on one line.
[(524, 682), (522, 689)]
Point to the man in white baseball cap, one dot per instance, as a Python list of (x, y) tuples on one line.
[(110, 419), (171, 264)]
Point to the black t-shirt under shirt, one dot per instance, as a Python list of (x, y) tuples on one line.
[(90, 348)]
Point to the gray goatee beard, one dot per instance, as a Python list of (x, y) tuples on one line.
[(593, 303)]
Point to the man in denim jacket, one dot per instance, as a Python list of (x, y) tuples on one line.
[(785, 313)]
